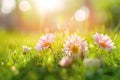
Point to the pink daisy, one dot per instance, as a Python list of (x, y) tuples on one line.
[(104, 41), (66, 61), (75, 46), (45, 42)]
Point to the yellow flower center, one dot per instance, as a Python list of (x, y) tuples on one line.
[(46, 44), (74, 49), (102, 44)]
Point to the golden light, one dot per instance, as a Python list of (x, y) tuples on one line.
[(45, 6)]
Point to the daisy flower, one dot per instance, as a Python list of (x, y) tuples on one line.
[(45, 42), (75, 46), (66, 61), (104, 41)]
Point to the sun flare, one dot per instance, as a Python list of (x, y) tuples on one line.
[(45, 6)]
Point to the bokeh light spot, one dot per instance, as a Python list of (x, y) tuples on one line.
[(82, 14), (7, 6), (24, 6)]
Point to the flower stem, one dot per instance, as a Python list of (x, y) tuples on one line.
[(82, 56)]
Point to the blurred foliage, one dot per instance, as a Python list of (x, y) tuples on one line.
[(105, 12)]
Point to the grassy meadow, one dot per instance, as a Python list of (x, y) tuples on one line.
[(44, 65)]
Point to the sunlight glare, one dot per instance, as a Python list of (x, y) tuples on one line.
[(44, 6)]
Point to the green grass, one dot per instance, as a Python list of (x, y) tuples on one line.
[(44, 65)]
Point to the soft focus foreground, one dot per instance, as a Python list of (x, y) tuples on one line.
[(20, 60), (59, 40)]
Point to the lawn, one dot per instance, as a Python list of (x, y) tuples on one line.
[(15, 64)]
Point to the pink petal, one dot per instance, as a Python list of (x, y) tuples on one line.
[(50, 37)]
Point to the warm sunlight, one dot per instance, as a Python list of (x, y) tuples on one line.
[(44, 6), (59, 39)]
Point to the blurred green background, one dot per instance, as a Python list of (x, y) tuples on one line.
[(54, 15)]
